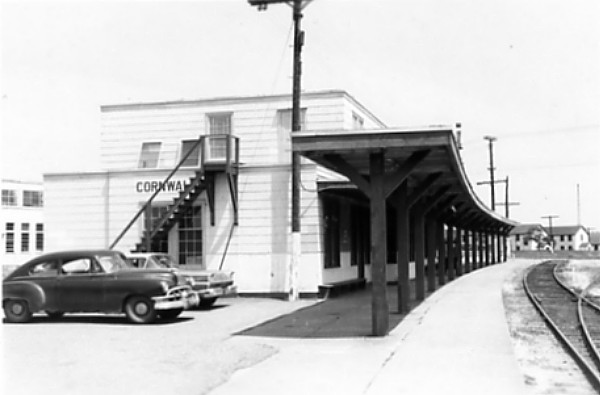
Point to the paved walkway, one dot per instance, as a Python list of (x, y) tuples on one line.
[(455, 342)]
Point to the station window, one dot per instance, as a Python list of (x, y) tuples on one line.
[(284, 120), (24, 237), (9, 197), (10, 238), (33, 199), (331, 233), (39, 237), (190, 237), (193, 159), (357, 121), (149, 155), (218, 125)]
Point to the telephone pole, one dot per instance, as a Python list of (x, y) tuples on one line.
[(550, 217), (297, 6), (506, 202), (491, 140)]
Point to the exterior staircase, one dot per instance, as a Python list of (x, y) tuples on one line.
[(224, 160)]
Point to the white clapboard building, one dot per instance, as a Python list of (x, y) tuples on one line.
[(217, 173), (22, 222)]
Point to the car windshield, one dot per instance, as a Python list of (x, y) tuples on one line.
[(112, 262), (161, 262)]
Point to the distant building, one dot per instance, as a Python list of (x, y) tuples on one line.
[(595, 240), (22, 222), (570, 238), (529, 237)]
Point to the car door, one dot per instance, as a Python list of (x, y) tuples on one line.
[(44, 274), (80, 284)]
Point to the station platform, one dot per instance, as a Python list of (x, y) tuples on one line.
[(456, 341)]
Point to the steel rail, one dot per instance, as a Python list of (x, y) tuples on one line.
[(589, 366), (592, 310)]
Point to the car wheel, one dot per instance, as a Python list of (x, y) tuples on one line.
[(140, 310), (169, 314), (55, 314), (17, 310), (207, 302)]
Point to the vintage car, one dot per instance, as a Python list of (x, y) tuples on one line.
[(93, 281), (209, 285)]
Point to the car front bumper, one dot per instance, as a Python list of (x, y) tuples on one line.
[(181, 297), (216, 292)]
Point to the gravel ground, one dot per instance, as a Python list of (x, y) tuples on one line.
[(98, 354), (548, 369)]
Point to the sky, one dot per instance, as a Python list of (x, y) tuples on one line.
[(525, 72)]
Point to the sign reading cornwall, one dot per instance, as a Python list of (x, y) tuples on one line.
[(153, 186)]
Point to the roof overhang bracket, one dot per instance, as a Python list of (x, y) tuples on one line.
[(397, 178)]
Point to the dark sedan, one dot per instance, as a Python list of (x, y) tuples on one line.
[(93, 281)]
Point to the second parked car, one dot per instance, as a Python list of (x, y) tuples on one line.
[(209, 285)]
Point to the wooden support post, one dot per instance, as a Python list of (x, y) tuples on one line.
[(467, 250), (419, 235), (451, 253), (459, 254), (492, 247), (499, 247), (486, 249), (379, 303), (441, 245), (481, 249), (475, 249), (504, 248), (403, 232), (431, 252)]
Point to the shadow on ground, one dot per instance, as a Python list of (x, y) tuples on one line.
[(348, 315)]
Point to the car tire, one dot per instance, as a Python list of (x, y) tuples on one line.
[(140, 310), (207, 302), (169, 314), (54, 315), (17, 310)]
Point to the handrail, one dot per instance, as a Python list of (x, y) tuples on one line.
[(158, 190)]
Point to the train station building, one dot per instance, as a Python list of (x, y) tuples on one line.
[(209, 182)]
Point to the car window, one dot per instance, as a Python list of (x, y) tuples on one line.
[(136, 262), (46, 268), (77, 266), (165, 261)]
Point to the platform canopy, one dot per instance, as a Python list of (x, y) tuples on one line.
[(426, 157), (419, 172)]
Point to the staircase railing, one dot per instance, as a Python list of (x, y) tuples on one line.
[(204, 154)]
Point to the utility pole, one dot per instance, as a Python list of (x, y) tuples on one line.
[(297, 6), (550, 217), (492, 183), (506, 202)]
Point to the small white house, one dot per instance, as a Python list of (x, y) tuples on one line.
[(528, 237), (570, 238)]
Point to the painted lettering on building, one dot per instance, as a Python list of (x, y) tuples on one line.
[(153, 186)]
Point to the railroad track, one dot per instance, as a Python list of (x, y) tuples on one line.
[(573, 317)]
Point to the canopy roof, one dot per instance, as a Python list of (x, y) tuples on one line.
[(426, 157)]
